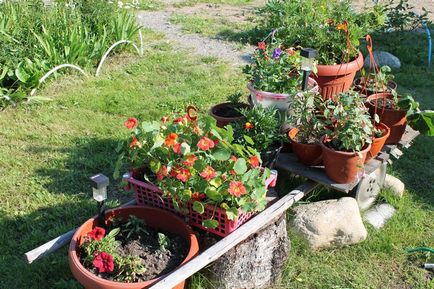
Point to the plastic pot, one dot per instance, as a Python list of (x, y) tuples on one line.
[(334, 79), (153, 217), (395, 119), (378, 142), (307, 154), (221, 112), (343, 167), (270, 156)]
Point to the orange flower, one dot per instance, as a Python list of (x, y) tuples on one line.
[(189, 162), (134, 142), (205, 144), (343, 26), (291, 51), (208, 173), (197, 130), (171, 139), (165, 119), (177, 148), (183, 175), (237, 189), (248, 126), (130, 123), (254, 161)]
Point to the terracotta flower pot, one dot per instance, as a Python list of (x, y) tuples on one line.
[(359, 86), (269, 157), (307, 154), (219, 112), (395, 119), (378, 142), (153, 217), (334, 79), (343, 167)]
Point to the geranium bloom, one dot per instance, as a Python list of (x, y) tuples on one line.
[(189, 162), (104, 262), (208, 173), (276, 53), (96, 234), (171, 139), (261, 45), (183, 175), (134, 142), (165, 119), (237, 189), (130, 123), (205, 144), (177, 148), (162, 173), (254, 161), (248, 125)]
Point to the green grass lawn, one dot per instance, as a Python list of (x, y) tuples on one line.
[(49, 150)]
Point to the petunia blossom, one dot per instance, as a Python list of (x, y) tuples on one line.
[(276, 53), (96, 234), (237, 189), (104, 262)]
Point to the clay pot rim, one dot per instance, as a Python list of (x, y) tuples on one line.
[(291, 139), (386, 135), (72, 252), (366, 149), (342, 68), (281, 96), (388, 95), (220, 105), (358, 80)]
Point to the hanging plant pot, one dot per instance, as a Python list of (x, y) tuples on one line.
[(226, 113), (378, 142), (270, 156), (334, 79), (307, 154), (343, 167), (154, 218), (395, 119), (361, 87)]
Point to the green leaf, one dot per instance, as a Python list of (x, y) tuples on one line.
[(222, 154), (198, 207), (249, 140), (185, 148), (113, 232), (149, 126), (155, 166), (240, 166), (213, 194), (21, 74), (232, 213), (212, 224)]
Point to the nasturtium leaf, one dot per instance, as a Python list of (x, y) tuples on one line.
[(216, 134), (155, 166), (149, 126), (213, 194), (240, 166), (186, 195), (249, 140), (222, 154), (199, 165), (232, 213), (211, 224), (216, 182), (198, 207), (158, 143), (185, 148)]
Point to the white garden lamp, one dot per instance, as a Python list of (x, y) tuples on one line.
[(307, 64), (99, 187)]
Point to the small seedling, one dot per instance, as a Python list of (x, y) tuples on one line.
[(164, 242), (134, 228)]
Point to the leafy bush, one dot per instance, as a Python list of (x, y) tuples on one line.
[(401, 16), (320, 24)]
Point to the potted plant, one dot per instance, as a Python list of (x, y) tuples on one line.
[(329, 26), (196, 168), (261, 131), (136, 247), (375, 82), (229, 111), (348, 137), (380, 134), (307, 122), (274, 76)]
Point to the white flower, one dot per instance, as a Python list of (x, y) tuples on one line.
[(120, 4)]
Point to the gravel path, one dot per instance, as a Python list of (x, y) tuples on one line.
[(159, 21)]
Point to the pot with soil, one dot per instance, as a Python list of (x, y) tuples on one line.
[(381, 133), (226, 113), (269, 157), (137, 247), (384, 105), (362, 87), (309, 154), (333, 79)]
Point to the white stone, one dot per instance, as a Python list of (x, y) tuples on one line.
[(379, 215), (395, 185), (331, 223), (384, 58)]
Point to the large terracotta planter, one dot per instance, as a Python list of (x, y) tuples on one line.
[(396, 120), (225, 120), (378, 142), (343, 167), (334, 79), (307, 154), (153, 217)]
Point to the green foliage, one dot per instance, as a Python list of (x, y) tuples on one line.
[(402, 16), (319, 24), (129, 268), (163, 241), (376, 81), (260, 130), (349, 126), (235, 97), (304, 113), (108, 244), (133, 228)]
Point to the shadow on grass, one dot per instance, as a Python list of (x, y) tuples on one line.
[(251, 36)]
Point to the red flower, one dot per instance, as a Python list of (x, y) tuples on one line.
[(104, 262), (205, 144), (216, 142), (130, 123), (198, 196), (233, 172), (96, 234), (237, 189), (208, 173), (254, 161), (134, 142), (162, 173), (171, 139), (261, 45), (234, 158), (182, 119), (165, 119), (177, 148), (189, 162), (183, 175), (248, 125), (175, 171)]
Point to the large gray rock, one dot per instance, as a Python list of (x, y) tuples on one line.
[(379, 215), (331, 223), (384, 58), (395, 185)]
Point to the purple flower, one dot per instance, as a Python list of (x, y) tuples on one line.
[(276, 53)]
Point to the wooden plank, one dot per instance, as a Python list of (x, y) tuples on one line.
[(224, 245), (406, 140), (56, 243)]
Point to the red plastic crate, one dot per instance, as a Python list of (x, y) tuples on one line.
[(150, 195)]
